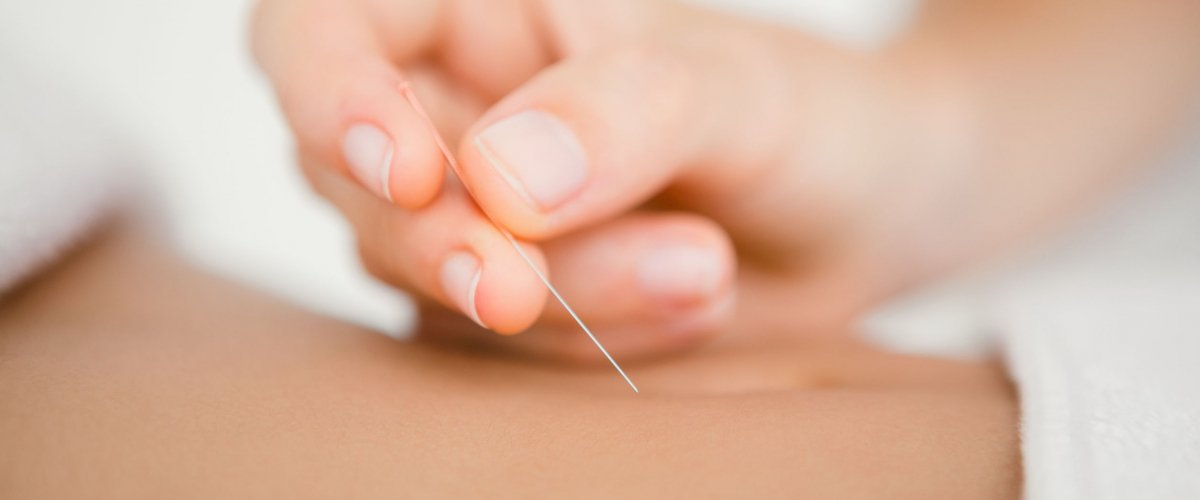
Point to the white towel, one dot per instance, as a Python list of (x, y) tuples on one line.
[(58, 170), (1109, 377), (1103, 343), (1104, 348)]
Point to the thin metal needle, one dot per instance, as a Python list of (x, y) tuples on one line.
[(406, 89), (561, 300)]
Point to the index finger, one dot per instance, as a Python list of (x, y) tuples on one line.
[(336, 67)]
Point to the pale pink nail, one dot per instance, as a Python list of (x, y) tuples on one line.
[(680, 273), (460, 280), (537, 155), (368, 151)]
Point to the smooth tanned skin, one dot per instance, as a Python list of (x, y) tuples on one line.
[(126, 374)]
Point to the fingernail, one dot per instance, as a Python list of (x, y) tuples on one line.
[(368, 151), (460, 279), (706, 320), (680, 273), (538, 155)]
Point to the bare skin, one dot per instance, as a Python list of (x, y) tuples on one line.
[(815, 179), (124, 373)]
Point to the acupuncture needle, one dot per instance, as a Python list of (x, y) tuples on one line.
[(407, 90)]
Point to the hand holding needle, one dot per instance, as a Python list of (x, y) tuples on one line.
[(406, 89)]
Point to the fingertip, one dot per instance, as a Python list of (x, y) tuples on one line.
[(500, 194), (693, 263), (388, 147), (510, 297), (583, 141), (460, 276), (418, 167)]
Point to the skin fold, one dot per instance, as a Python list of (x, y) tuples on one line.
[(125, 373)]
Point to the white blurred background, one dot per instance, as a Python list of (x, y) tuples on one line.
[(176, 76)]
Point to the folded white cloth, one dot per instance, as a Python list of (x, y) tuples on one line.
[(1108, 372), (1103, 342), (1101, 334), (58, 166)]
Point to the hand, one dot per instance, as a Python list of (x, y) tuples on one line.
[(631, 144)]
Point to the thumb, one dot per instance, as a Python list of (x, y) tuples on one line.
[(601, 133)]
